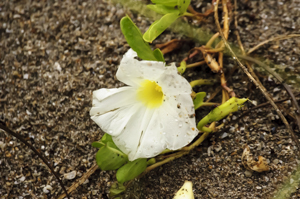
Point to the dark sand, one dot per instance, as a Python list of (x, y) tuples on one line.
[(53, 54)]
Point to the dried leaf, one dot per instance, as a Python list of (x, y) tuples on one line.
[(250, 164)]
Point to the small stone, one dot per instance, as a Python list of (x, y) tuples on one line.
[(57, 66), (25, 76), (22, 179), (47, 189), (275, 161), (2, 145), (248, 174), (224, 135), (94, 192), (71, 175)]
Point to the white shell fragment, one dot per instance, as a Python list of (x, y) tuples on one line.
[(70, 176), (185, 192), (47, 189), (252, 165), (140, 131)]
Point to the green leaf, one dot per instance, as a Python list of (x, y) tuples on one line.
[(160, 26), (131, 170), (98, 144), (162, 9), (181, 69), (106, 138), (171, 3), (183, 5), (110, 158), (116, 189), (158, 54), (198, 101), (135, 39)]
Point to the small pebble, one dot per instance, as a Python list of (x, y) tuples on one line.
[(70, 176), (276, 161), (248, 174), (47, 189)]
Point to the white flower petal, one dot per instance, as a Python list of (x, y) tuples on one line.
[(172, 83), (177, 118), (128, 141), (185, 192), (132, 71), (114, 122), (105, 100), (153, 140)]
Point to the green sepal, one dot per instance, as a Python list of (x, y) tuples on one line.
[(131, 170), (183, 5), (105, 138), (109, 157), (160, 26), (198, 100), (171, 3), (230, 106), (116, 189), (158, 55), (98, 144), (181, 69), (135, 39), (162, 9), (151, 161)]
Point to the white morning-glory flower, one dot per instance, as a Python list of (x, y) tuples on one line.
[(153, 113)]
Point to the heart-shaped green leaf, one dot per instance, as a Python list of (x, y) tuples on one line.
[(160, 26), (131, 170), (198, 100), (110, 158)]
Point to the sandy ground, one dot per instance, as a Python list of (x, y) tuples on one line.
[(55, 53)]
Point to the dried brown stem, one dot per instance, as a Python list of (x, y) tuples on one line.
[(225, 96), (261, 87), (287, 88), (282, 37)]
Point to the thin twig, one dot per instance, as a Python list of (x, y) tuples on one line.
[(286, 86), (282, 37), (19, 137), (196, 64), (263, 90)]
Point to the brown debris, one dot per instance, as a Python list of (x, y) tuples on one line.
[(250, 164)]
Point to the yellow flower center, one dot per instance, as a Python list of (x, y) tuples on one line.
[(150, 93)]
